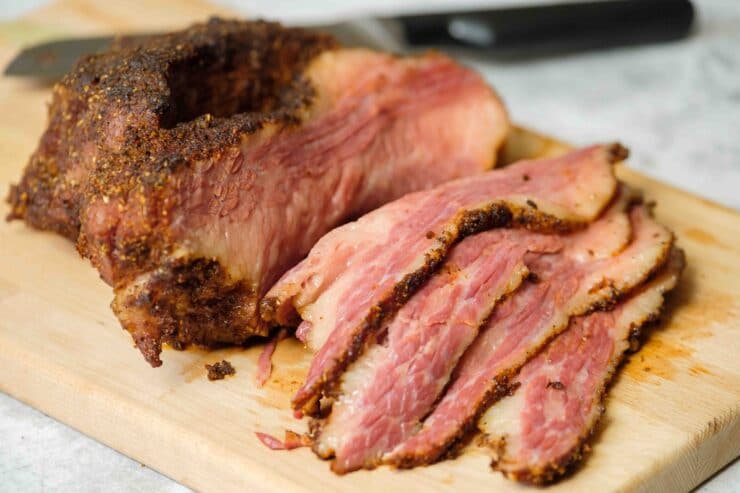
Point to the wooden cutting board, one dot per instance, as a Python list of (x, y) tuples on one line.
[(672, 416)]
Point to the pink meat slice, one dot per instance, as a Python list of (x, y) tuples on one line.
[(541, 431), (523, 323), (292, 440), (388, 391), (359, 274)]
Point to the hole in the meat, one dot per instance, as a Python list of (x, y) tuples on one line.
[(223, 83)]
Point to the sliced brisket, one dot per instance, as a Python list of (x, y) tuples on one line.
[(195, 168), (386, 393), (540, 431), (359, 274), (524, 322)]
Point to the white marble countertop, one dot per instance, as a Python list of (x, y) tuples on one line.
[(676, 105)]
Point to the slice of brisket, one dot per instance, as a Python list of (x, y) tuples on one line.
[(359, 274), (524, 322), (195, 168), (542, 430)]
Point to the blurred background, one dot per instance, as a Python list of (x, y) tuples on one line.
[(676, 105)]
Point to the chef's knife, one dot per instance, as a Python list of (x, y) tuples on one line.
[(504, 33)]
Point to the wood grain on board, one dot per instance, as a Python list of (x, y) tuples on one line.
[(673, 415)]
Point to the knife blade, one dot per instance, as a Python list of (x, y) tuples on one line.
[(504, 33), (53, 59)]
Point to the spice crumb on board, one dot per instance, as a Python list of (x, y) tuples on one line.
[(219, 370)]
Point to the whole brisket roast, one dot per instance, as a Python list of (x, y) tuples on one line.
[(195, 168)]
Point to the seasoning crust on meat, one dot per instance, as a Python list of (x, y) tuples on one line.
[(126, 104)]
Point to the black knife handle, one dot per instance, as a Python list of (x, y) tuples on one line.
[(554, 28)]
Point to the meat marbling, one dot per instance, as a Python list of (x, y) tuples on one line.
[(359, 274), (194, 168), (524, 322), (542, 430)]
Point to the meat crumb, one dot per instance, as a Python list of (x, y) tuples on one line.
[(270, 441), (292, 440), (219, 370), (532, 204)]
